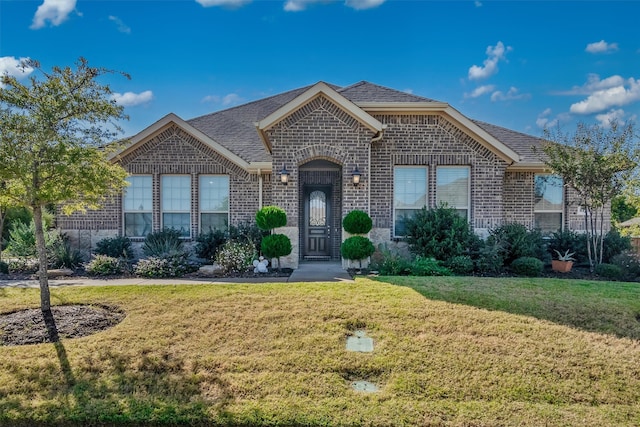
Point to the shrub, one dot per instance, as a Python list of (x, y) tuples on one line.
[(422, 266), (515, 241), (208, 243), (564, 240), (236, 256), (22, 239), (174, 265), (439, 233), (614, 244), (388, 263), (356, 248), (116, 247), (276, 246), (247, 231), (4, 267), (610, 271), (629, 264), (270, 217), (105, 265), (64, 255), (23, 265), (162, 243), (357, 222), (527, 266), (460, 264), (490, 258)]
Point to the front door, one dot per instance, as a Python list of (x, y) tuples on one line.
[(317, 222)]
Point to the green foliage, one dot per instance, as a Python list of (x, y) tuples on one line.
[(460, 264), (236, 256), (629, 264), (173, 265), (64, 255), (13, 215), (422, 266), (389, 263), (270, 217), (610, 271), (116, 247), (614, 244), (568, 240), (439, 233), (356, 248), (105, 265), (622, 211), (276, 246), (527, 266), (22, 240), (23, 265), (490, 258), (357, 222), (162, 243), (515, 241), (247, 231), (4, 267), (208, 243)]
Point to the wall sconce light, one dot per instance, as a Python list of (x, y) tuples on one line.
[(284, 175), (356, 176)]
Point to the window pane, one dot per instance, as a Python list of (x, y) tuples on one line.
[(548, 222), (401, 216), (213, 221), (548, 193), (317, 209), (176, 193), (410, 188), (452, 186), (137, 196), (214, 193), (177, 221), (137, 224)]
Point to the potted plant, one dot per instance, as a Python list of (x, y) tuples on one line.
[(564, 263)]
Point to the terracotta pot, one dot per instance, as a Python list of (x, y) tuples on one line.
[(561, 266)]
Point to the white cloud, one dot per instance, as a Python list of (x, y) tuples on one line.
[(543, 119), (55, 11), (604, 99), (122, 27), (479, 91), (613, 115), (594, 84), (10, 65), (490, 65), (601, 47), (363, 4), (226, 101), (224, 3), (409, 91), (477, 3), (512, 94), (130, 99), (300, 5)]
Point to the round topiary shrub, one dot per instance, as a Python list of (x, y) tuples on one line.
[(276, 246), (527, 266), (270, 217), (357, 222), (357, 248)]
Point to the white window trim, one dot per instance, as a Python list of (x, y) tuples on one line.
[(561, 211), (124, 211), (200, 211), (162, 211), (468, 207), (393, 207)]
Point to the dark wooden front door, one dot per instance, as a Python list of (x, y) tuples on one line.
[(317, 222)]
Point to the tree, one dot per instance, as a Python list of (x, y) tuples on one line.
[(55, 141), (273, 245), (357, 248), (598, 162)]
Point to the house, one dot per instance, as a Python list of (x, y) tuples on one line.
[(319, 152)]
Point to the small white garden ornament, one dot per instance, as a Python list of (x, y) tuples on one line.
[(260, 265)]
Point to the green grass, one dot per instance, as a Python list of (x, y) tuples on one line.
[(448, 351)]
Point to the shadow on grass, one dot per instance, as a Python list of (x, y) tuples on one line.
[(594, 306)]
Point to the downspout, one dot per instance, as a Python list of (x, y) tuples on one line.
[(259, 189)]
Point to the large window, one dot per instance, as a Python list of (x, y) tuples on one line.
[(137, 205), (214, 202), (548, 203), (176, 203), (452, 188), (409, 195)]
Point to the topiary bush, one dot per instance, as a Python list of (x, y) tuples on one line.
[(276, 246), (357, 222), (236, 256), (357, 248), (516, 241), (422, 266), (270, 217), (116, 247), (162, 243), (527, 266), (105, 265), (460, 264), (610, 271), (208, 243), (439, 233)]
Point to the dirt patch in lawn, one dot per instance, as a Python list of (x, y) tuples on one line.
[(71, 321)]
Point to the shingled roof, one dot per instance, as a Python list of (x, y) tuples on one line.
[(234, 128)]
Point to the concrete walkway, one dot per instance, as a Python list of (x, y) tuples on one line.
[(307, 272)]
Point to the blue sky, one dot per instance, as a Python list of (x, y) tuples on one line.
[(517, 64)]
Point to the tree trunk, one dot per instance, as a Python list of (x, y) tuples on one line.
[(45, 296), (588, 239), (3, 215)]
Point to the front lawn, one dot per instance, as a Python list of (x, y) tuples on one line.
[(274, 354)]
